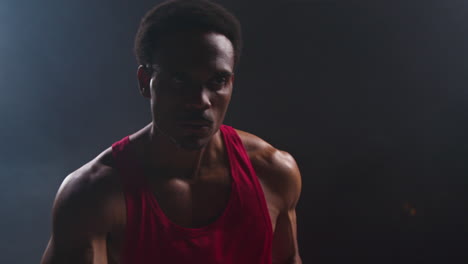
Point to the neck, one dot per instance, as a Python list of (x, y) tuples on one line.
[(164, 156)]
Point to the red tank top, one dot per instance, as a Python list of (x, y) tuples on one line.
[(241, 235)]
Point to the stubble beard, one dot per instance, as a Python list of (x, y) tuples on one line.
[(180, 144)]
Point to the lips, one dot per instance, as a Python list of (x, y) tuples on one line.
[(199, 123), (199, 126), (198, 129)]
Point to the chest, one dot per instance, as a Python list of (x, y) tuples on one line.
[(199, 204), (194, 205)]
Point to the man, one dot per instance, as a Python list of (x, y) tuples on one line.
[(185, 188)]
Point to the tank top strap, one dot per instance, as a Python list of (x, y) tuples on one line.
[(128, 167), (236, 150), (244, 170)]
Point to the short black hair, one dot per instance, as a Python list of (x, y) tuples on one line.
[(184, 15)]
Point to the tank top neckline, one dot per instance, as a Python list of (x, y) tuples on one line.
[(220, 219)]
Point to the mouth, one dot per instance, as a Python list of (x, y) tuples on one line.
[(196, 126), (195, 123)]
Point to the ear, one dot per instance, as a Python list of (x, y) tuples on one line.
[(144, 79)]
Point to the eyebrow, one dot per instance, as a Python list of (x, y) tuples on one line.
[(224, 73), (220, 72)]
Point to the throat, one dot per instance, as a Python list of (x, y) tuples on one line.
[(160, 154)]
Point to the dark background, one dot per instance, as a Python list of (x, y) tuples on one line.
[(368, 97)]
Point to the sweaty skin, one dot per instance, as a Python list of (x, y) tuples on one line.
[(185, 161)]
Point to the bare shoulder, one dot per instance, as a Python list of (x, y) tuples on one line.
[(89, 195), (87, 207), (264, 155), (276, 167)]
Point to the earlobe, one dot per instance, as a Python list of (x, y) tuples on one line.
[(144, 78), (145, 92)]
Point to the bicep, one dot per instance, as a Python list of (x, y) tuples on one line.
[(285, 248), (281, 174), (78, 234), (289, 185)]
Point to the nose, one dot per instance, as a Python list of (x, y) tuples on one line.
[(198, 99)]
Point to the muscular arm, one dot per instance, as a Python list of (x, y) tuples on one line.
[(281, 175), (81, 219), (285, 247), (287, 185)]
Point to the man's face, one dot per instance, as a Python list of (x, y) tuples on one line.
[(191, 86)]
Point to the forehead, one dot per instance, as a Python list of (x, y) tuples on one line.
[(195, 50)]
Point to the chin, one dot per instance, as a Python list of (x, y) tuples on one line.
[(191, 143), (191, 146), (187, 139)]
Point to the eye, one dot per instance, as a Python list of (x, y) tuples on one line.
[(220, 80), (217, 83)]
